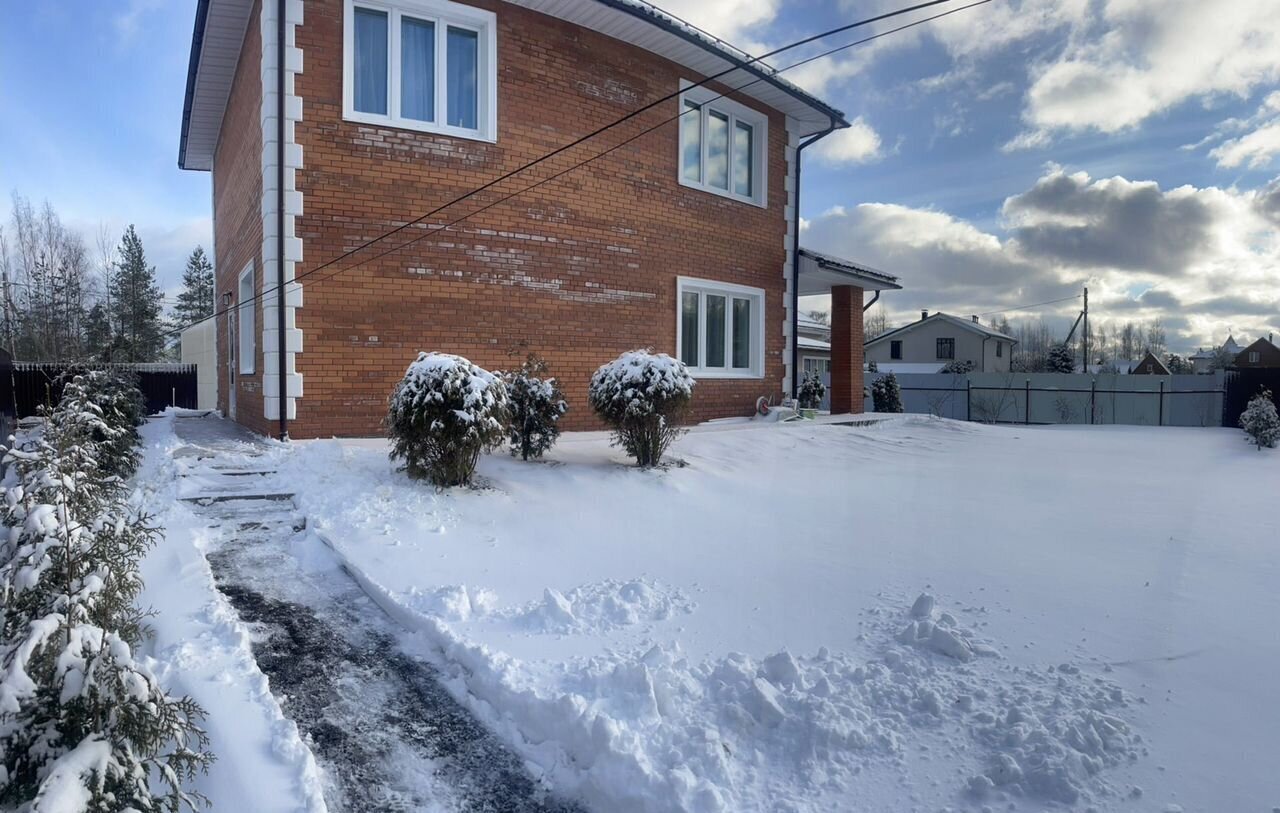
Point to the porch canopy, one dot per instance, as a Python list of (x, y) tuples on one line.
[(845, 281), (819, 273)]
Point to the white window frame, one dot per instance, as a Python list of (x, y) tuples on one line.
[(444, 15), (708, 100), (820, 364), (730, 291), (246, 323)]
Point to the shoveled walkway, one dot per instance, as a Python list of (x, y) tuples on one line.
[(387, 734)]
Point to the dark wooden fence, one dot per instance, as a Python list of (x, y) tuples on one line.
[(30, 385), (1242, 383)]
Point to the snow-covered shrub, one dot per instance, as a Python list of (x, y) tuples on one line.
[(886, 394), (873, 367), (105, 408), (811, 391), (959, 367), (1061, 359), (642, 395), (83, 725), (536, 405), (1261, 422), (443, 414)]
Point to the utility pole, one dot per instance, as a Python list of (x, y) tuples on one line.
[(1085, 340)]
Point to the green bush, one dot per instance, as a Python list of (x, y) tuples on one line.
[(443, 414), (643, 396)]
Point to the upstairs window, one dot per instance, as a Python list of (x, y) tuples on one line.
[(1254, 357), (428, 65), (946, 348), (999, 349), (722, 146), (720, 328), (895, 349)]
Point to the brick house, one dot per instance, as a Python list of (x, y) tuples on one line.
[(683, 239)]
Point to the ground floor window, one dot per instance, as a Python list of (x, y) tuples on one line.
[(244, 321), (720, 328), (816, 364)]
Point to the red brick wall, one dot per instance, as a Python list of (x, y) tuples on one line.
[(237, 211), (579, 270), (846, 350)]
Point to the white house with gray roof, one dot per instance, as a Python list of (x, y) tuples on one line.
[(939, 339)]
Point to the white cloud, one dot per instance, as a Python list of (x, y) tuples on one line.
[(129, 21), (1260, 142), (731, 20), (857, 144), (1139, 58), (1208, 259)]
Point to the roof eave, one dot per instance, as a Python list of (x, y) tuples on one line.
[(193, 68)]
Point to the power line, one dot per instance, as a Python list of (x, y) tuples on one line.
[(559, 150), (1035, 305), (434, 230)]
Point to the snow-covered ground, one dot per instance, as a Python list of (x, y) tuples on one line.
[(746, 632), (201, 648)]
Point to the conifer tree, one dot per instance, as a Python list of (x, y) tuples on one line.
[(195, 302), (136, 303)]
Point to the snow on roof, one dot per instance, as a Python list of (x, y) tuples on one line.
[(967, 324), (812, 344)]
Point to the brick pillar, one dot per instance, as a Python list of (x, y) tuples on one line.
[(846, 349)]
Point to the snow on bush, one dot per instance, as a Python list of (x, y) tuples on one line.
[(104, 408), (811, 391), (1261, 422), (536, 405), (443, 414), (886, 394), (958, 367), (642, 395), (83, 724)]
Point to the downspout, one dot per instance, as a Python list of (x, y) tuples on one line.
[(873, 301), (795, 266), (281, 342)]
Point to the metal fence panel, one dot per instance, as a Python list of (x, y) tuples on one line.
[(1064, 398), (162, 385)]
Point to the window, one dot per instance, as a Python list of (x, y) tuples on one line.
[(722, 146), (427, 65), (999, 349), (1254, 357), (946, 348), (895, 349), (720, 329), (244, 321), (816, 364)]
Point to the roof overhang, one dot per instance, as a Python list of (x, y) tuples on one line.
[(220, 27), (819, 273), (215, 52)]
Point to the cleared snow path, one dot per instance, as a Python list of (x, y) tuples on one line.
[(387, 734)]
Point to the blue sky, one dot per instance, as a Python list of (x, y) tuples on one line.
[(1006, 155)]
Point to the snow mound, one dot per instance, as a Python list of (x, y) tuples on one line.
[(456, 602), (603, 606), (1048, 734)]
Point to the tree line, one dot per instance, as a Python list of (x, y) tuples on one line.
[(63, 303)]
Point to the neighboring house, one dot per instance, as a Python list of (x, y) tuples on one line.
[(683, 240), (1203, 361), (1260, 354), (1150, 364), (941, 338), (815, 345)]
